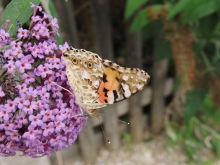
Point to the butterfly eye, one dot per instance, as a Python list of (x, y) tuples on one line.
[(90, 64), (74, 60)]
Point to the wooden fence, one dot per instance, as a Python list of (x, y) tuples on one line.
[(77, 149)]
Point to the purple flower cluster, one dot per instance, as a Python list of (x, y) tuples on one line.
[(36, 116)]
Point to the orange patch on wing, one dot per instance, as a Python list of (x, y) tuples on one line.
[(102, 97), (112, 83)]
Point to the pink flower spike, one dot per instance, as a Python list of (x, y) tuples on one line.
[(36, 116)]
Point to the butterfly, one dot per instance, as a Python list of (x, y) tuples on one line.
[(97, 82)]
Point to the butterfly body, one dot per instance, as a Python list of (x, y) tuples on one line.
[(97, 83)]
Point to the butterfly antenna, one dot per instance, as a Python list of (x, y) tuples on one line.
[(104, 132), (62, 88), (114, 118)]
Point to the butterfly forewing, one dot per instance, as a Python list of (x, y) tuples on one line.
[(119, 83), (84, 73)]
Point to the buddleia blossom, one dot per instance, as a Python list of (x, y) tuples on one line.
[(36, 116)]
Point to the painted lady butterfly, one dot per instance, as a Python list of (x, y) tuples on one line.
[(97, 82)]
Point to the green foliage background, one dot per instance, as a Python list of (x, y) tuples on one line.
[(201, 109)]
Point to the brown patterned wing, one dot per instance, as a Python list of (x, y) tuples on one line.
[(119, 83)]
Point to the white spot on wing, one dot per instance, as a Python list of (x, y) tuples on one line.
[(125, 77), (85, 75), (110, 97), (127, 90), (96, 83)]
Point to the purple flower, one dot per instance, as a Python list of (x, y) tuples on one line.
[(22, 65), (48, 128), (8, 54), (10, 105), (21, 119), (47, 115), (36, 116), (35, 120), (4, 113), (31, 134), (9, 66), (4, 35), (22, 33), (28, 78), (21, 102)]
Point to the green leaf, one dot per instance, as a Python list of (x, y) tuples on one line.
[(191, 151), (206, 27), (200, 9), (210, 161), (217, 116), (194, 100), (216, 145), (132, 6), (217, 27), (189, 129), (140, 21), (180, 6), (151, 29), (163, 49), (17, 10), (207, 107)]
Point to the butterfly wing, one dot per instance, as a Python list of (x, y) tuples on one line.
[(84, 73), (119, 83)]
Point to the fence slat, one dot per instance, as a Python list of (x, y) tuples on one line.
[(87, 143)]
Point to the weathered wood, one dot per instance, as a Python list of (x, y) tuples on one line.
[(87, 143), (67, 22), (134, 59), (103, 46), (158, 101), (101, 28)]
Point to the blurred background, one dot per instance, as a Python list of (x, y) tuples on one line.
[(177, 43)]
